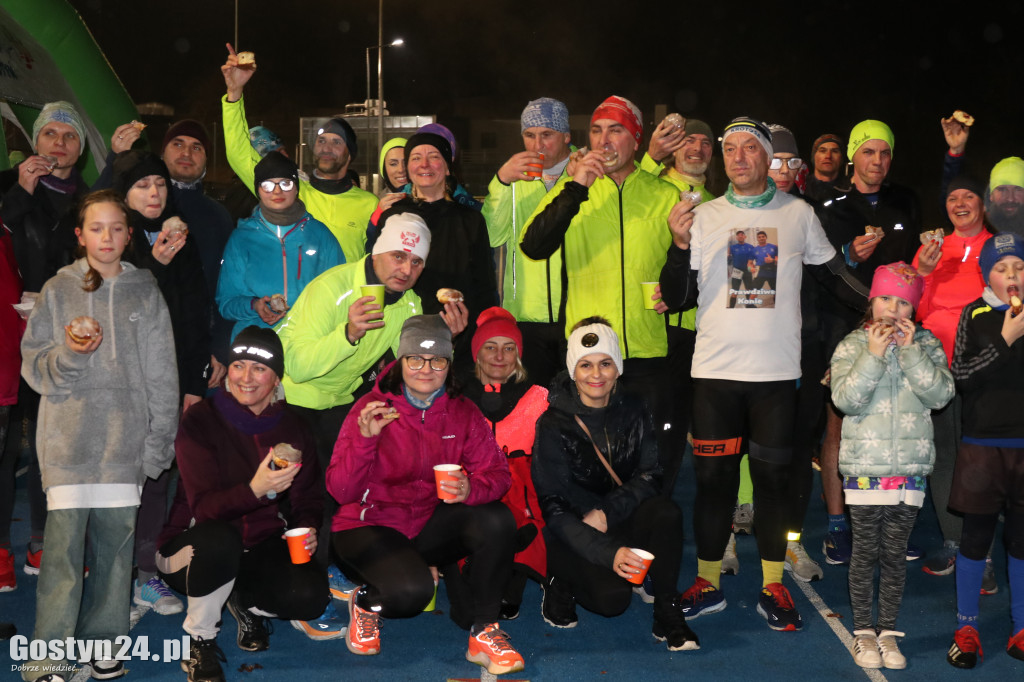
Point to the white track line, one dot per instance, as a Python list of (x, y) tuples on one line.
[(837, 627)]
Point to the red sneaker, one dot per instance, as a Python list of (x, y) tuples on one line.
[(1015, 647), (965, 651), (492, 649), (32, 560), (8, 577)]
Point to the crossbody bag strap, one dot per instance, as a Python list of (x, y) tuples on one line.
[(611, 472)]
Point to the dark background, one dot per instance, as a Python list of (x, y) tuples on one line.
[(814, 70)]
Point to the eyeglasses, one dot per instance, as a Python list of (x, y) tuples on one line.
[(286, 185), (793, 163), (415, 363)]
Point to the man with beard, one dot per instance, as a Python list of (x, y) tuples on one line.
[(532, 289), (1006, 195), (828, 160), (330, 196)]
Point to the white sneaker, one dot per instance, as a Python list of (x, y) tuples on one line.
[(730, 562), (890, 651), (865, 649), (743, 519), (803, 567), (155, 594)]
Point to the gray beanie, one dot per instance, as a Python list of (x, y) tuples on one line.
[(783, 140), (425, 334)]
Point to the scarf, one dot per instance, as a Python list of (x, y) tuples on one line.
[(288, 216), (743, 201)]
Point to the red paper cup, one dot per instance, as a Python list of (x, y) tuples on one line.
[(296, 539), (638, 578), (444, 472)]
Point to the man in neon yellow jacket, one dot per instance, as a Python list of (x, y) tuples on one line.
[(532, 288), (612, 220), (329, 195)]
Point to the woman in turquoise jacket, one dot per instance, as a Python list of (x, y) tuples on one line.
[(277, 250)]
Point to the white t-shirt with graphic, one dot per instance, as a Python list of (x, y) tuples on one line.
[(748, 327)]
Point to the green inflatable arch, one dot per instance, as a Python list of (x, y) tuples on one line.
[(47, 53)]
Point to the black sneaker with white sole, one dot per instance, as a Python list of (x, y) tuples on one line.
[(558, 606), (203, 662), (670, 625), (253, 632)]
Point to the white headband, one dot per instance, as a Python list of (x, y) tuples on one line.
[(593, 338)]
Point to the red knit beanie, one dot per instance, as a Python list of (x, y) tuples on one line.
[(496, 322)]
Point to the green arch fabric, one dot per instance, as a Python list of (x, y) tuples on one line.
[(47, 54)]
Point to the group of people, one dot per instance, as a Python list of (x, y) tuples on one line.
[(800, 308)]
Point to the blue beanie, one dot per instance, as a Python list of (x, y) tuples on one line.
[(264, 140), (545, 113), (998, 247)]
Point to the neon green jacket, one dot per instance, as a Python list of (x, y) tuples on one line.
[(615, 238), (532, 288), (688, 318), (346, 215), (321, 368)]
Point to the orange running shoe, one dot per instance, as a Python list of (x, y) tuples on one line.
[(491, 649)]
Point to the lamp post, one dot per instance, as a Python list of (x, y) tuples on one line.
[(380, 98)]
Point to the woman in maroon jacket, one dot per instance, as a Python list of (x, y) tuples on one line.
[(224, 540), (391, 528)]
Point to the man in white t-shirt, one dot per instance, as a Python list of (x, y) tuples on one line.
[(747, 358)]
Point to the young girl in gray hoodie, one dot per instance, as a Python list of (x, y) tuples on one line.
[(107, 421)]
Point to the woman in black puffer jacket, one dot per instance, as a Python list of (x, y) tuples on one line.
[(593, 520)]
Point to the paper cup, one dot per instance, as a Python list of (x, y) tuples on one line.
[(375, 290), (296, 539), (638, 578), (443, 472), (648, 289), (536, 169)]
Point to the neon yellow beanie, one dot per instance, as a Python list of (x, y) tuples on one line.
[(869, 130), (1009, 171)]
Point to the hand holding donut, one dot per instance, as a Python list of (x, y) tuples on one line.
[(374, 416)]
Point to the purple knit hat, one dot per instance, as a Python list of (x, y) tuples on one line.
[(898, 279)]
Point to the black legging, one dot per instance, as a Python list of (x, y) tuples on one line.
[(656, 526), (396, 569), (980, 529), (264, 575), (808, 428), (723, 413)]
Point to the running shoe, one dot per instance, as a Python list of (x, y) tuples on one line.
[(776, 605), (328, 626), (944, 560), (801, 566), (203, 661), (1015, 647), (253, 633), (914, 552), (965, 651), (558, 606), (32, 560), (155, 594), (670, 626), (838, 546), (341, 587), (743, 519), (492, 649), (646, 590), (701, 599), (363, 635), (107, 669)]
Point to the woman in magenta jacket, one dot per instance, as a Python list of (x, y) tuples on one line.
[(391, 528)]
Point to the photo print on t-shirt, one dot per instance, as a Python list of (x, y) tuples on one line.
[(753, 267)]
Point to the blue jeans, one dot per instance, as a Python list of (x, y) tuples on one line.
[(68, 606)]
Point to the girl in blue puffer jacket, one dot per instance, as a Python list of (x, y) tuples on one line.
[(887, 377)]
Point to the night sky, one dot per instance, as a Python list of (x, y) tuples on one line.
[(813, 70)]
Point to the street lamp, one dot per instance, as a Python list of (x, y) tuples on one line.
[(380, 101)]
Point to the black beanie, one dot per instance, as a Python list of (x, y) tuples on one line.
[(433, 140), (274, 165), (340, 126), (260, 344), (965, 182), (133, 165)]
